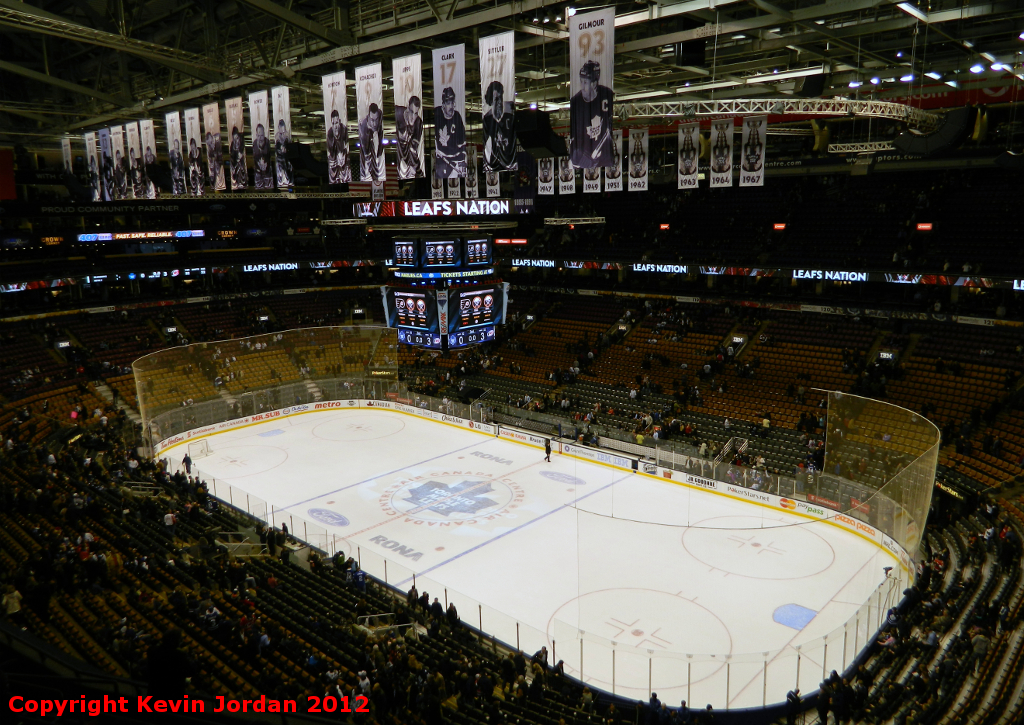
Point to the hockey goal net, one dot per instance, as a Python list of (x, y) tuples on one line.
[(198, 449)]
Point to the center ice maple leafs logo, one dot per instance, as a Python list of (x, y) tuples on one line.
[(466, 497)]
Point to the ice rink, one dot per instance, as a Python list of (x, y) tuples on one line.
[(537, 552)]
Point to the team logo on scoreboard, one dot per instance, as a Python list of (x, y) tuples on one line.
[(452, 498)]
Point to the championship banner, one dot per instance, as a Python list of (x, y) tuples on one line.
[(106, 166), (450, 112), (408, 76), (689, 152), (591, 87), (436, 187), (498, 90), (336, 121), (236, 143), (546, 176), (259, 122), (214, 147), (148, 132), (638, 159), (174, 152), (613, 173), (455, 188), (592, 180), (472, 180), (755, 130), (136, 180), (92, 160), (566, 176), (721, 153), (282, 135), (195, 176), (121, 172), (65, 149), (370, 111), (493, 179)]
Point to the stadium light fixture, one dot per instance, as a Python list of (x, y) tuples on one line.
[(934, 76), (875, 81), (977, 68), (999, 66), (775, 76), (1021, 36), (913, 12), (570, 11), (952, 84), (855, 84), (707, 86), (907, 78)]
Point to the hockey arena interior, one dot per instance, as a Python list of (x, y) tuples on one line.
[(527, 363)]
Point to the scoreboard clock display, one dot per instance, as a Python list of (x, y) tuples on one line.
[(406, 253)]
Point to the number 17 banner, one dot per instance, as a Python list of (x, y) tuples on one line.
[(591, 88)]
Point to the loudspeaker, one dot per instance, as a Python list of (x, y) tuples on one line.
[(533, 128), (955, 129), (810, 86)]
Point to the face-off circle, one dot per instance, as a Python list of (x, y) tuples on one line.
[(353, 428), (452, 497)]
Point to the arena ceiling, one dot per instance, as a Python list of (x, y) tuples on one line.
[(69, 66)]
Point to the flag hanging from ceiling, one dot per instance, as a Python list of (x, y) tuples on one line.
[(259, 122), (336, 121), (174, 152), (235, 117), (106, 165), (591, 87), (721, 153), (450, 112), (65, 149), (195, 176), (493, 179), (282, 135), (613, 172), (566, 176), (408, 76), (148, 132), (370, 111), (638, 159), (689, 152), (755, 131), (92, 160), (121, 173), (498, 90), (546, 175)]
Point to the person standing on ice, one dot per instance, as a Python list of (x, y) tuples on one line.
[(547, 450)]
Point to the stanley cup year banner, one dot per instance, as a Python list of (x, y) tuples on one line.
[(493, 180), (175, 153), (546, 176), (592, 180), (65, 149), (408, 75), (214, 147), (259, 122), (689, 153), (566, 176), (450, 112), (92, 160), (370, 111), (752, 151), (336, 121), (236, 143), (498, 90), (455, 188), (472, 182), (148, 155), (121, 172), (195, 174), (638, 159), (282, 135), (613, 173), (721, 153), (106, 165), (591, 87), (436, 187)]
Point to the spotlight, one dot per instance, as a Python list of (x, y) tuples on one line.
[(999, 66), (570, 11), (899, 53), (875, 81), (855, 84), (907, 78), (977, 68)]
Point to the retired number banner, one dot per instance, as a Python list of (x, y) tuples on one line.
[(282, 135), (591, 87), (196, 175), (65, 149), (121, 173), (259, 122), (175, 153), (613, 173), (498, 90), (566, 176), (721, 153), (408, 75), (755, 129), (136, 177), (214, 147), (689, 153), (546, 176), (638, 159), (336, 121), (92, 160), (106, 165), (236, 143), (370, 112), (148, 132), (450, 112), (493, 179)]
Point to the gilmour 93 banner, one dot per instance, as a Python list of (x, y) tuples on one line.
[(591, 87)]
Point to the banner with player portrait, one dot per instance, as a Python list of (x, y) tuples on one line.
[(282, 135), (236, 143), (148, 132), (546, 176), (106, 166), (195, 174), (638, 159), (136, 182), (721, 153), (450, 112), (336, 121), (370, 112), (591, 87), (214, 147), (455, 188), (175, 153), (755, 130), (259, 122), (498, 90), (613, 173), (65, 150), (472, 173), (121, 173), (408, 76), (493, 181), (688, 154), (566, 176), (592, 180), (92, 162)]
